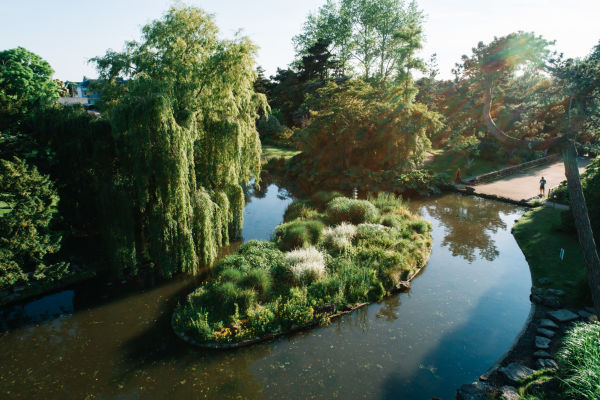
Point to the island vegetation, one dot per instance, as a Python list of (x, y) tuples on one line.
[(329, 256)]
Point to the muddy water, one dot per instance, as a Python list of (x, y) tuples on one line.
[(115, 342)]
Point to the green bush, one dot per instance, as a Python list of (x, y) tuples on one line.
[(297, 234), (322, 197), (579, 359), (343, 209), (300, 209)]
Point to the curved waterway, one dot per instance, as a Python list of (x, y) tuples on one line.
[(115, 342)]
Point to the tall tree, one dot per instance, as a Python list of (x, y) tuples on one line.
[(25, 83), (379, 37), (184, 125), (504, 58)]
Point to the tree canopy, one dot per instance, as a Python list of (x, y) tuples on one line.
[(378, 38), (183, 108), (25, 83)]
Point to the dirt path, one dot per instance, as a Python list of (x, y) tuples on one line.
[(525, 184)]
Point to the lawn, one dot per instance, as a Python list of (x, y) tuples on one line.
[(445, 161), (537, 235), (269, 152)]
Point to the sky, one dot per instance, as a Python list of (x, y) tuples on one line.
[(67, 33)]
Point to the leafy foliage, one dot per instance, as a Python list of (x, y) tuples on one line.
[(378, 37), (25, 84), (356, 129), (27, 241), (184, 126)]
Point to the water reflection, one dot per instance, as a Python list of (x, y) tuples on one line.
[(470, 223), (458, 318)]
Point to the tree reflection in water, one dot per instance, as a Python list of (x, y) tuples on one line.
[(470, 223)]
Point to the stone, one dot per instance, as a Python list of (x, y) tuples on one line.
[(403, 286), (516, 372), (471, 392), (546, 363), (474, 391), (546, 332), (536, 299), (542, 354), (537, 291), (544, 281), (546, 323), (584, 314), (551, 301), (562, 315), (542, 342), (591, 310), (555, 292), (509, 393)]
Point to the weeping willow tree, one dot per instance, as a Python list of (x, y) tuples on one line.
[(183, 110)]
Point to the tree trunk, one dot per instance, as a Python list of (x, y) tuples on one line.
[(582, 222), (578, 206)]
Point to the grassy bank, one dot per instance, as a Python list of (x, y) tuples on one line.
[(330, 255), (269, 152), (538, 235)]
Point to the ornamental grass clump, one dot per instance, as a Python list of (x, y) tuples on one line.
[(343, 209), (339, 238), (298, 234), (306, 264), (579, 359)]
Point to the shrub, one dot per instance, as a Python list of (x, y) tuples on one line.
[(306, 264), (261, 254), (297, 209), (322, 197), (193, 321), (261, 319), (579, 359), (298, 234), (296, 310), (343, 209)]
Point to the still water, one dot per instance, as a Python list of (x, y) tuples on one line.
[(115, 342)]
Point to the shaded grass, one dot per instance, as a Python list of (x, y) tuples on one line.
[(269, 152), (446, 161), (538, 237)]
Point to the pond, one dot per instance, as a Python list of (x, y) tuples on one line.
[(115, 342)]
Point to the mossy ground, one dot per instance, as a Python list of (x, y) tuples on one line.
[(329, 255)]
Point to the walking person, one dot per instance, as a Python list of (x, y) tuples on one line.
[(542, 187)]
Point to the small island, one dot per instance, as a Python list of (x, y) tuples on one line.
[(332, 255)]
